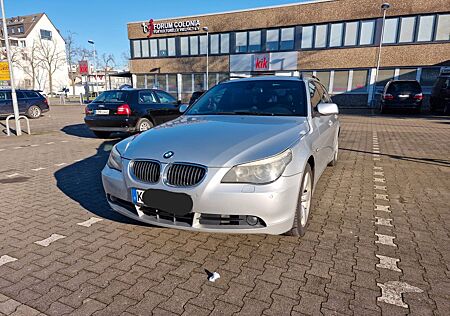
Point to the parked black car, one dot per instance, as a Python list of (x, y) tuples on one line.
[(31, 103), (440, 95), (195, 95), (134, 110), (402, 95)]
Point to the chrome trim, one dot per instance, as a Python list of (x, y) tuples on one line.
[(167, 167), (133, 176)]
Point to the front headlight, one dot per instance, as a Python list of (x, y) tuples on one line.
[(261, 171), (114, 160)]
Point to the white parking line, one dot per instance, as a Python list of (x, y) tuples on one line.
[(376, 159), (383, 221), (18, 147), (379, 180), (34, 145), (381, 197), (6, 259), (384, 208), (60, 164), (64, 141), (388, 263), (38, 169), (49, 143), (378, 173), (12, 175), (377, 168), (90, 222), (46, 242), (391, 292), (385, 240), (380, 187)]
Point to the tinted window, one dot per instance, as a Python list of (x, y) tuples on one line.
[(146, 97), (287, 38), (336, 34), (241, 42), (203, 44), (396, 87), (171, 46), (321, 36), (324, 78), (20, 95), (214, 43), (154, 47), (367, 30), (164, 97), (340, 81), (254, 44), (162, 43), (184, 45), (272, 39), (390, 31), (193, 45), (426, 24), (224, 43), (407, 29), (255, 97), (145, 48), (32, 94), (137, 48), (307, 36), (351, 32), (112, 96), (5, 95)]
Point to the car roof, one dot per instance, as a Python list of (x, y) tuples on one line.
[(266, 78)]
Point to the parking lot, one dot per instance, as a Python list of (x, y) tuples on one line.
[(378, 240)]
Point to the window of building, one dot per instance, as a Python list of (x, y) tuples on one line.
[(140, 81), (145, 48), (359, 81), (287, 38), (172, 85), (384, 75), (186, 83), (426, 25), (320, 39), (137, 48), (307, 74), (340, 83), (443, 28), (203, 45), (162, 46), (154, 48), (14, 42), (407, 29), (307, 36), (199, 82), (254, 41), (225, 43), (336, 34), (272, 40), (22, 44), (223, 76), (184, 45), (193, 45), (324, 77), (171, 51), (351, 33), (12, 30), (20, 29), (390, 31), (241, 42), (367, 32), (212, 78), (45, 34), (214, 43), (407, 74), (428, 76)]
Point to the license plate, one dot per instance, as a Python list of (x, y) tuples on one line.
[(403, 96), (101, 112), (137, 196)]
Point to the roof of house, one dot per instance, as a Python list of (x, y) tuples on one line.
[(27, 21)]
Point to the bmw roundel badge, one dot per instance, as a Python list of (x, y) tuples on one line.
[(168, 154)]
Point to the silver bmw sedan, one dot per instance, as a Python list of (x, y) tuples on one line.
[(244, 158)]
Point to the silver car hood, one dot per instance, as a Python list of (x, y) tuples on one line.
[(217, 140)]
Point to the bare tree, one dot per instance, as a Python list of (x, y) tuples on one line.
[(108, 62), (126, 59), (51, 58), (71, 53), (30, 64)]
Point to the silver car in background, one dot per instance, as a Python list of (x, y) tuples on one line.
[(244, 158)]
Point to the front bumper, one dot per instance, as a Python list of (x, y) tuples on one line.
[(273, 204)]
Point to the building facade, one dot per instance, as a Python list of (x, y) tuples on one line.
[(38, 53), (335, 40)]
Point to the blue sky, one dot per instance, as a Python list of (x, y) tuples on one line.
[(105, 21)]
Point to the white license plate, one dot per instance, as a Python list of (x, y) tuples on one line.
[(403, 96), (137, 195), (101, 112)]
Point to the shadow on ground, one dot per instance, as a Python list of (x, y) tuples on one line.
[(81, 181), (81, 130)]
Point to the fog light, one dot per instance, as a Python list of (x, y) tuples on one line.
[(252, 220)]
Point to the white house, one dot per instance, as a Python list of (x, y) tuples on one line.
[(38, 53)]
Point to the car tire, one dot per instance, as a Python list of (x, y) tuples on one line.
[(303, 204), (143, 125), (335, 155), (34, 112), (101, 134)]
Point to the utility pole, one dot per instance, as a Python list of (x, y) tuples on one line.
[(207, 56), (11, 73)]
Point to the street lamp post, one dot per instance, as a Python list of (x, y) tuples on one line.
[(207, 56), (95, 64), (11, 73), (385, 6)]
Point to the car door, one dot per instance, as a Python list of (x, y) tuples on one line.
[(6, 107), (332, 124), (169, 104), (22, 101), (148, 105), (320, 128)]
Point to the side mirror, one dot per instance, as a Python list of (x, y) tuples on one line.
[(327, 108), (183, 108)]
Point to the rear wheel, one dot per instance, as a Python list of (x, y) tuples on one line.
[(34, 112), (303, 204), (144, 125), (101, 134)]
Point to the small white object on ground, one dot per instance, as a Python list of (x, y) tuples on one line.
[(214, 277)]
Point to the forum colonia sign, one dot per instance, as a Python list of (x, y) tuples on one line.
[(151, 27)]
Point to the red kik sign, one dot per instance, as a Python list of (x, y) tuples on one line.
[(261, 62)]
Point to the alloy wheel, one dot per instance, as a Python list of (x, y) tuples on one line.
[(144, 126), (305, 203)]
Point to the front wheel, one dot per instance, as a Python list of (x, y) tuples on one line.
[(303, 204), (34, 112)]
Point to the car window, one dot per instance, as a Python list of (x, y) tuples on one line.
[(164, 97), (253, 97), (112, 96), (31, 94), (404, 87), (315, 95), (147, 97), (4, 95), (20, 95)]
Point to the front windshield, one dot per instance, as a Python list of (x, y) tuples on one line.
[(255, 97)]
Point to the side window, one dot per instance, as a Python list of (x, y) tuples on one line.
[(315, 95), (31, 94), (164, 97), (20, 95), (146, 97), (2, 96), (325, 97)]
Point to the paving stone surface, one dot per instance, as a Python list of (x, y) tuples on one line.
[(50, 185)]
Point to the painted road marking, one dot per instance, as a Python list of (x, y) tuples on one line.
[(381, 197), (60, 164), (378, 173), (384, 208), (388, 263), (383, 221), (380, 187), (6, 259), (38, 169), (377, 159), (377, 168), (49, 143), (12, 175), (49, 240), (34, 145), (19, 147), (385, 240), (64, 141), (379, 180), (391, 292), (90, 222)]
